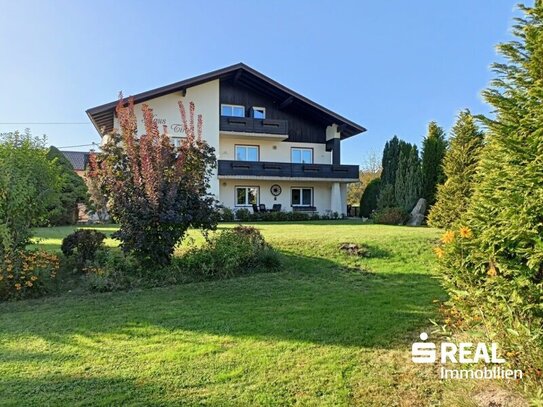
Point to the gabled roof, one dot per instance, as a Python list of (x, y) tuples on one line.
[(102, 116), (78, 159)]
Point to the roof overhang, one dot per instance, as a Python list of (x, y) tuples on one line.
[(102, 116)]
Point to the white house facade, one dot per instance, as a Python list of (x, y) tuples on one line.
[(276, 150)]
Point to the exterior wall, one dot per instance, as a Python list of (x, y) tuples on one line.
[(207, 103), (321, 193), (166, 110), (271, 150), (301, 128)]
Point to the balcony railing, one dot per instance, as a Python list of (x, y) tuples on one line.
[(288, 170), (251, 125)]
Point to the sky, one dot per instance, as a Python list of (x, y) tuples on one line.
[(391, 66)]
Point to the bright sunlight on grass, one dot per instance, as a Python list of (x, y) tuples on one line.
[(330, 329)]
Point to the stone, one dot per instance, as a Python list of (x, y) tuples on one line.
[(416, 218)]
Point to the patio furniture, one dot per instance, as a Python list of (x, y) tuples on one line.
[(276, 208), (255, 208), (262, 208)]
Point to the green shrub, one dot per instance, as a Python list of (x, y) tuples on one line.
[(368, 202), (233, 251), (27, 274), (227, 215), (243, 215), (299, 216), (390, 216), (83, 245), (114, 271)]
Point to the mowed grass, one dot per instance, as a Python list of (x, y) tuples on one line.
[(330, 329)]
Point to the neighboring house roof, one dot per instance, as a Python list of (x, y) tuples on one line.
[(102, 116), (78, 159)]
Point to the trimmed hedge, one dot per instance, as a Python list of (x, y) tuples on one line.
[(245, 215)]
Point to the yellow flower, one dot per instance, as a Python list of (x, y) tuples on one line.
[(33, 278), (492, 272), (29, 283), (439, 252), (18, 286), (465, 232), (448, 237)]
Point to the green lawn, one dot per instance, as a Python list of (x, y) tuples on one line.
[(327, 330)]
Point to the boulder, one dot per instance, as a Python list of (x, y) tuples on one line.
[(416, 218)]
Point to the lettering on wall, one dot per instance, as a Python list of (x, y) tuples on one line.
[(175, 128)]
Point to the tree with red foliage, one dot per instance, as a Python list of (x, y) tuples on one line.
[(156, 191)]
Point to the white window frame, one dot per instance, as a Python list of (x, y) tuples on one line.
[(301, 149), (232, 106), (247, 203), (176, 141), (302, 196), (246, 146), (263, 109)]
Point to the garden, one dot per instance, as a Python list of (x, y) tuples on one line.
[(177, 303)]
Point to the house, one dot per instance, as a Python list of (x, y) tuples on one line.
[(79, 160), (273, 146)]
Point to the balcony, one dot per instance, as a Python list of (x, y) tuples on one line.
[(245, 125), (231, 168)]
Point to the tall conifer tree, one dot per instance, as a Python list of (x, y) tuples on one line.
[(494, 268), (408, 177), (460, 165), (434, 147)]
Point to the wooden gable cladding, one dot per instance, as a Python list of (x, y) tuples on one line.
[(303, 127)]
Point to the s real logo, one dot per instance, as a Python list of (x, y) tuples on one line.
[(462, 353), (423, 352)]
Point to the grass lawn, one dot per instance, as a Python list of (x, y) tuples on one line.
[(329, 329)]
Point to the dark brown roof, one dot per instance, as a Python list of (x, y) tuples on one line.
[(78, 159), (102, 116)]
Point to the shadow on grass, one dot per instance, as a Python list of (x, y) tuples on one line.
[(315, 300), (55, 390)]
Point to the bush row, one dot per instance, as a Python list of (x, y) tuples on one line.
[(246, 215), (88, 264)]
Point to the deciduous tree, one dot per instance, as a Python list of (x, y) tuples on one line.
[(155, 190), (29, 184)]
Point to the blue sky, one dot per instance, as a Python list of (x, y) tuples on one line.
[(391, 66)]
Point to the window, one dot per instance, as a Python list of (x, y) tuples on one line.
[(246, 196), (176, 141), (302, 155), (233, 110), (259, 112), (301, 196), (247, 153)]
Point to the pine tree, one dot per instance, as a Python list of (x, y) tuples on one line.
[(408, 177), (433, 151), (460, 165)]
